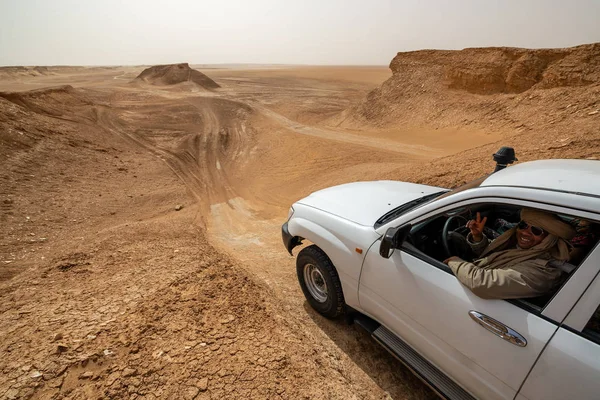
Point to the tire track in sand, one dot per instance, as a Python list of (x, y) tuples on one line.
[(341, 136), (200, 160)]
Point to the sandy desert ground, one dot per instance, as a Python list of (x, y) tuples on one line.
[(141, 255)]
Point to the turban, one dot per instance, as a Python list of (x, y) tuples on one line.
[(498, 253), (548, 222)]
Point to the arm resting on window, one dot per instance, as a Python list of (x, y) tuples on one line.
[(527, 279)]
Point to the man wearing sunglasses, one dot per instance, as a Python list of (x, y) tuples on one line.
[(523, 262)]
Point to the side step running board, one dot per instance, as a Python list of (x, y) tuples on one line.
[(445, 387)]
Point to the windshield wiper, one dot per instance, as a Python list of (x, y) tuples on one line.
[(405, 207)]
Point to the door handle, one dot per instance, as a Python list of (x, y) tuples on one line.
[(498, 328)]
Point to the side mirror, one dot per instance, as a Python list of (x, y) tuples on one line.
[(393, 239)]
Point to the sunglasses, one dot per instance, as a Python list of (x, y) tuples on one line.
[(535, 230)]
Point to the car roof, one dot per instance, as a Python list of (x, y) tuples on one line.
[(574, 176)]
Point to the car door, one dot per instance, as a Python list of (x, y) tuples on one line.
[(420, 300), (569, 367)]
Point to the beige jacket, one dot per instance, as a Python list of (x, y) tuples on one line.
[(528, 278)]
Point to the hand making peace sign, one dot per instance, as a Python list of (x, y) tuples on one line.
[(476, 226)]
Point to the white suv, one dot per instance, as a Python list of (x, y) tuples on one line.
[(377, 257)]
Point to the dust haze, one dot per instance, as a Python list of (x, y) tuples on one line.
[(141, 207)]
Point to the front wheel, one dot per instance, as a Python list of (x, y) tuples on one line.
[(320, 282)]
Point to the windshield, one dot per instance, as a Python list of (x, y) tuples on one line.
[(411, 205), (406, 207)]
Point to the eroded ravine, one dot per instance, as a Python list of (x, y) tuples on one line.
[(164, 291)]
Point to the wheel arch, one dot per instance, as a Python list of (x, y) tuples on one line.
[(330, 244), (320, 282), (341, 256)]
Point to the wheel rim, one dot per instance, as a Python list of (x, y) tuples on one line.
[(315, 283)]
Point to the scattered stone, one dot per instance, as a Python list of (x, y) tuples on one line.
[(157, 354), (227, 319), (57, 336), (61, 348), (108, 352), (202, 344), (129, 372), (35, 375), (191, 392), (112, 378), (594, 112), (178, 207), (86, 375), (91, 337), (203, 384), (56, 383), (26, 368)]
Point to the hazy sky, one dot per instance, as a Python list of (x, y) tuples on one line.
[(110, 32)]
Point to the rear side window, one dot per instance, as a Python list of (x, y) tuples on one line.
[(592, 329)]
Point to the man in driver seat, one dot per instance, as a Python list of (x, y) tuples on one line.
[(523, 262)]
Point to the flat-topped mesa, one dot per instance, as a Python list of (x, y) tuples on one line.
[(504, 69), (172, 74), (494, 88)]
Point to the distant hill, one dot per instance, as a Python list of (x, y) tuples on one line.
[(543, 102), (495, 88), (52, 101), (15, 72), (172, 74)]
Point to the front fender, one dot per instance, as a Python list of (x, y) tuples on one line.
[(327, 241), (344, 242)]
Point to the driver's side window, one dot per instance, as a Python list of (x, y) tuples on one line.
[(445, 235)]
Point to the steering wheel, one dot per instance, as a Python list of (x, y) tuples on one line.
[(454, 237)]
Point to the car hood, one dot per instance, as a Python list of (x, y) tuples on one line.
[(365, 202)]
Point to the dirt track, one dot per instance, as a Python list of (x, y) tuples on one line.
[(141, 253)]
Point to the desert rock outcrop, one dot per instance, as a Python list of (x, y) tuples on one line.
[(172, 74), (486, 88)]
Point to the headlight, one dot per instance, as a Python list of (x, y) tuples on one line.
[(290, 213)]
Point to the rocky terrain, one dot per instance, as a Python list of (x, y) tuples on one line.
[(140, 254)]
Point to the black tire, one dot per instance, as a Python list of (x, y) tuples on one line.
[(320, 282)]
